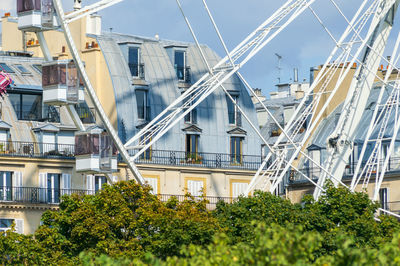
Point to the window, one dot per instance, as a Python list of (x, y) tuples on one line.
[(99, 181), (191, 117), (142, 105), (27, 5), (30, 107), (6, 68), (195, 187), (146, 155), (153, 183), (179, 64), (6, 186), (53, 188), (383, 198), (22, 69), (192, 144), (133, 61), (233, 112), (5, 224), (238, 188), (236, 150), (38, 67), (85, 113), (315, 170)]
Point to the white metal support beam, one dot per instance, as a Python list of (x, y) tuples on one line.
[(208, 83), (92, 94), (340, 143), (88, 10)]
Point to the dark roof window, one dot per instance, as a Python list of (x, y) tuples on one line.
[(6, 68), (38, 67), (22, 69)]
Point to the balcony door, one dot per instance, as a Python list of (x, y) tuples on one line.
[(6, 186)]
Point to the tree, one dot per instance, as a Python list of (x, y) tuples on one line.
[(125, 220)]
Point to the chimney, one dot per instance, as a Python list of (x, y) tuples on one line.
[(77, 4), (296, 75)]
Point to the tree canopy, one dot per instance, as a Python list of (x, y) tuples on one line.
[(125, 224)]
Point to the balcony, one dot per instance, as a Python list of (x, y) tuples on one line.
[(200, 159), (37, 150), (36, 195)]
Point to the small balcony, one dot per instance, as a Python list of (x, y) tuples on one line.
[(37, 150)]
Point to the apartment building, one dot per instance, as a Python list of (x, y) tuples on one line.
[(213, 149)]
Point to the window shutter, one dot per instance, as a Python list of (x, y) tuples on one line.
[(66, 184), (17, 186), (153, 183), (238, 189), (19, 226), (195, 187), (42, 186), (90, 184)]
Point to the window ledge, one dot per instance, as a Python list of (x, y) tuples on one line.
[(139, 81)]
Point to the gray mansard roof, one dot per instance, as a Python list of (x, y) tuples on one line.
[(28, 82), (327, 126), (162, 85)]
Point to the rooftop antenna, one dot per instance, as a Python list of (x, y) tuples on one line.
[(279, 67)]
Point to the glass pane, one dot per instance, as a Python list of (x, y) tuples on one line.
[(231, 110), (31, 107), (133, 61), (95, 145), (22, 69), (38, 67), (6, 223), (194, 144), (6, 68), (238, 150), (47, 13), (72, 83), (141, 103), (28, 5), (180, 64), (82, 144), (15, 100), (188, 143), (232, 146)]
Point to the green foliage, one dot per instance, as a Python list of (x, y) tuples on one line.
[(125, 224), (125, 220)]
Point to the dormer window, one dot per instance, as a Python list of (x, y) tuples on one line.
[(142, 105), (234, 116), (179, 65), (136, 68)]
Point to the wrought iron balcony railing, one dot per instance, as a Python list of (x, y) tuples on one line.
[(200, 159), (37, 149), (36, 195)]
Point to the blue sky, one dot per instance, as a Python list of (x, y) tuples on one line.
[(303, 44)]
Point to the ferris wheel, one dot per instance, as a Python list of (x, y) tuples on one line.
[(361, 46)]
